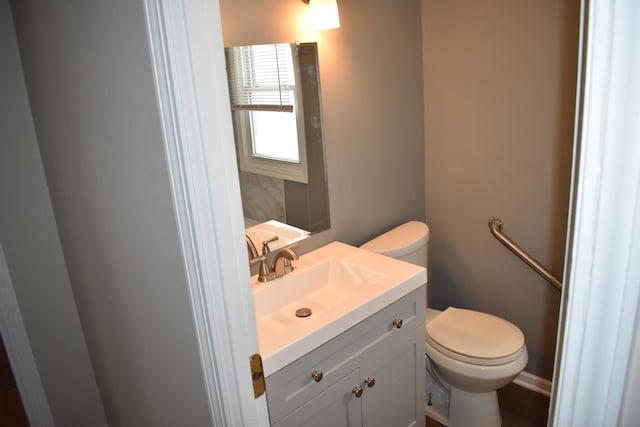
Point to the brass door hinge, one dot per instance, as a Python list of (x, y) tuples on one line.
[(257, 375)]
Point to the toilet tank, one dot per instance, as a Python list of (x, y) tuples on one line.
[(407, 242)]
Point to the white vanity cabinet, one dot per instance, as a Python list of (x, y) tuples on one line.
[(370, 375)]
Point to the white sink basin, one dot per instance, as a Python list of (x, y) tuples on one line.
[(317, 287), (341, 285)]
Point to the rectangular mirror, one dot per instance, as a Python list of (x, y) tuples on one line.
[(277, 117)]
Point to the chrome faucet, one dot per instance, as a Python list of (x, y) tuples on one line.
[(281, 263), (286, 255)]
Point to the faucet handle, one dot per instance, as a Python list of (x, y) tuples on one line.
[(265, 273), (265, 244)]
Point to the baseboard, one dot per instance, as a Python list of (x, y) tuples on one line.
[(533, 383)]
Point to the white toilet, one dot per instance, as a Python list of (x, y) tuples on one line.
[(470, 354)]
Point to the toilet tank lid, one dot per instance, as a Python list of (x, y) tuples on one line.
[(401, 240)]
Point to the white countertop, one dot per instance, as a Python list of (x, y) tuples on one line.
[(283, 337)]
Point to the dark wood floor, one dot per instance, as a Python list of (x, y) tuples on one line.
[(519, 407), (11, 410)]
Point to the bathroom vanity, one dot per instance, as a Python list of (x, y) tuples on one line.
[(360, 361), (370, 375)]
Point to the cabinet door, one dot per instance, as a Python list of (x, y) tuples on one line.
[(397, 397), (337, 406)]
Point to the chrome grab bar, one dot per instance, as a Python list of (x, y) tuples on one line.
[(495, 225)]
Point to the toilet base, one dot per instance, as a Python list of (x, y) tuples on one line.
[(473, 409), (437, 407), (453, 407), (436, 414)]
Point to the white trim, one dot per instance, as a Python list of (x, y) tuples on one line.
[(189, 69), (602, 277), (23, 364), (534, 383)]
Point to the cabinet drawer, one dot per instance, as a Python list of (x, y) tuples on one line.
[(293, 385)]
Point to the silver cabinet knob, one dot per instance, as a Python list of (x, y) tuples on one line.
[(357, 391), (370, 382), (317, 376), (397, 323)]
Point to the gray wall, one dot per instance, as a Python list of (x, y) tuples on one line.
[(499, 102), (371, 79), (34, 256), (89, 80)]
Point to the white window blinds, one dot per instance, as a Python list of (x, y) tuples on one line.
[(261, 78)]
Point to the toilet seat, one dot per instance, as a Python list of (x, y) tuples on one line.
[(474, 337)]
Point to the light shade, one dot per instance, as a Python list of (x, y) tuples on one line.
[(323, 14)]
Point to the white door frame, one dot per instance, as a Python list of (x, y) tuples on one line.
[(187, 52), (600, 301)]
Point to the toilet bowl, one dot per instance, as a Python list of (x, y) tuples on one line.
[(470, 354)]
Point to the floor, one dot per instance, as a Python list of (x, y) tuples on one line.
[(11, 410), (519, 407)]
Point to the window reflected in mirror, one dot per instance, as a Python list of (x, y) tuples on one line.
[(266, 101), (277, 115)]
